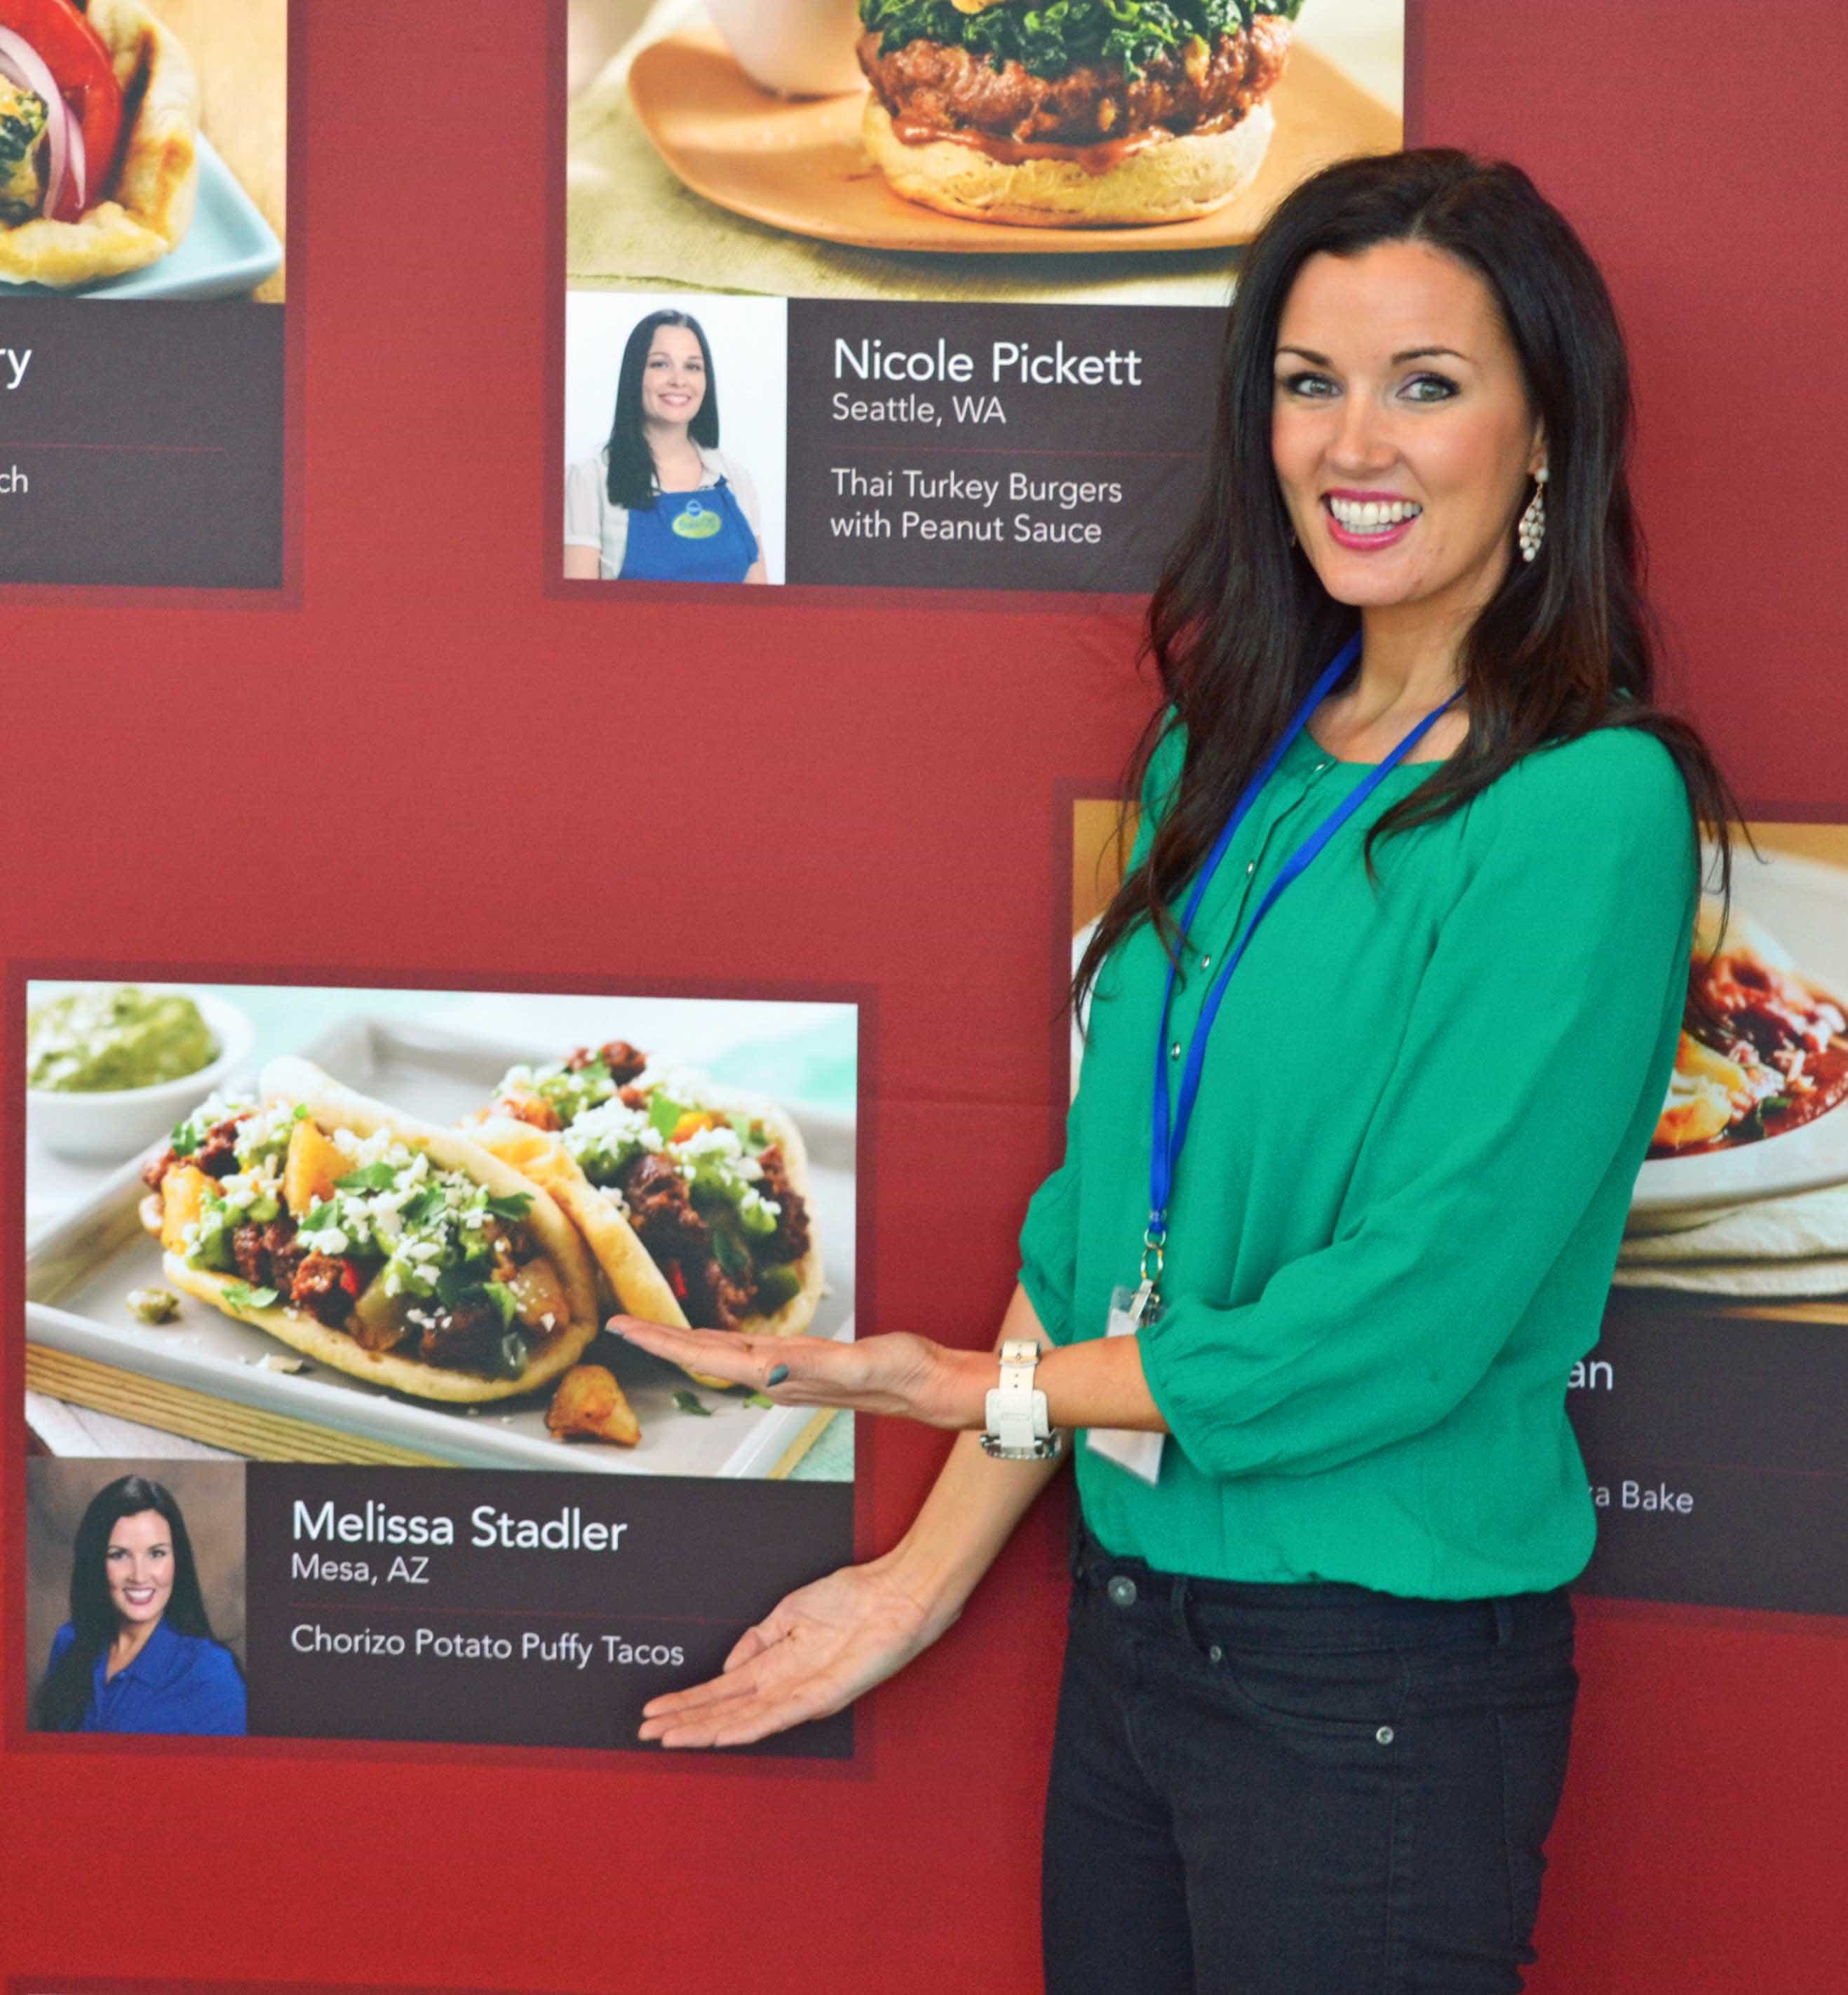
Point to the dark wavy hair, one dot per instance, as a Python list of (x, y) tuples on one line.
[(1239, 625), (64, 1695), (630, 482)]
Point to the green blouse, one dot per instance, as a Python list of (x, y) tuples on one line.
[(1394, 1223)]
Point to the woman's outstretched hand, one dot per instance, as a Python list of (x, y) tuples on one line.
[(899, 1374), (816, 1651)]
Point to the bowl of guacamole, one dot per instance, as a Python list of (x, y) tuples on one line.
[(108, 1066)]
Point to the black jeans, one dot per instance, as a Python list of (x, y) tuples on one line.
[(1310, 1790)]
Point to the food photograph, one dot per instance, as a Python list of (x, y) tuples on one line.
[(1100, 151), (143, 148), (1744, 1193), (386, 1226)]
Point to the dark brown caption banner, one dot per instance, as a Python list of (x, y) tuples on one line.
[(994, 446), (141, 444), (475, 1608), (1714, 1446)]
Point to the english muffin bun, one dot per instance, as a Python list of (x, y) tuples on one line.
[(1167, 178)]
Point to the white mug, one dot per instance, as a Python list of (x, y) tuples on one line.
[(797, 48)]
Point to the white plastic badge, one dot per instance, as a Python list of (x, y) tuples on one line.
[(1131, 1311)]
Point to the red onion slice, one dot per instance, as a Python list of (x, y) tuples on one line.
[(22, 64), (79, 168)]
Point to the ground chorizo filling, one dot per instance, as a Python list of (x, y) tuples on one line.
[(706, 1189), (367, 1235)]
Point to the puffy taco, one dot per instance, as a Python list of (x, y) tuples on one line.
[(401, 1253), (693, 1199), (99, 130)]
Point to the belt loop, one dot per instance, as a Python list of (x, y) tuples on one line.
[(1183, 1586), (1504, 1623)]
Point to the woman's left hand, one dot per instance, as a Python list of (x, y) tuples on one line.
[(899, 1374)]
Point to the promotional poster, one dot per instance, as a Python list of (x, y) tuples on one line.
[(574, 581), (892, 294), (331, 1267), (143, 224)]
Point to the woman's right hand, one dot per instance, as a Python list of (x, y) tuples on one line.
[(827, 1643), (812, 1655)]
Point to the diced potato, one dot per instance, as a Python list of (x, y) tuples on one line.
[(528, 1104), (378, 1319), (183, 1192), (590, 1403), (312, 1166), (1692, 1058), (539, 1296)]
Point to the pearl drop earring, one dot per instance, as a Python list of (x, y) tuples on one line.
[(1532, 529)]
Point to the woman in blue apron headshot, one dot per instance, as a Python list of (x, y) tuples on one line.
[(1382, 1019), (660, 502), (138, 1654)]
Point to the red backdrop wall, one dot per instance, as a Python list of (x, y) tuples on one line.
[(850, 793)]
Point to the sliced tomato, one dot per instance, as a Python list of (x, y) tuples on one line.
[(75, 54)]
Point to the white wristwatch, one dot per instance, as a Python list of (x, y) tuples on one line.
[(1018, 1430)]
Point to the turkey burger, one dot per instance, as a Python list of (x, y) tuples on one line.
[(1080, 114)]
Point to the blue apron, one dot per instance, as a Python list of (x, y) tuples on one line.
[(701, 535)]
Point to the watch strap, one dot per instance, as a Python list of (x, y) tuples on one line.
[(1018, 1429)]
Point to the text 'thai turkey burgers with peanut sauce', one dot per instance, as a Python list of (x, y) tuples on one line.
[(1072, 113)]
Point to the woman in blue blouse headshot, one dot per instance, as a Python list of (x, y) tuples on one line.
[(660, 502), (138, 1654)]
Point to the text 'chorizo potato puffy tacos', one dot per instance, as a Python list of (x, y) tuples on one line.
[(401, 1253), (99, 131), (693, 1198)]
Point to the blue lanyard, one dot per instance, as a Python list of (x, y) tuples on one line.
[(1170, 1131)]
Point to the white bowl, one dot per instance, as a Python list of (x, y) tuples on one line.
[(114, 1123)]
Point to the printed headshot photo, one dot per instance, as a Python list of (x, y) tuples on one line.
[(674, 437), (135, 1596)]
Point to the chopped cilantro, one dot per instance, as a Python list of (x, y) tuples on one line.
[(1050, 39), (510, 1205), (664, 1114), (691, 1403), (454, 1282), (240, 1295), (380, 1177)]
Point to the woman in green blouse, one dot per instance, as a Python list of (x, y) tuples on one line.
[(1318, 1686)]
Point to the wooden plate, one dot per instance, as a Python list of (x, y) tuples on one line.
[(797, 164)]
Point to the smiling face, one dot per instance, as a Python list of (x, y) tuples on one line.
[(1402, 434), (673, 378), (139, 1567)]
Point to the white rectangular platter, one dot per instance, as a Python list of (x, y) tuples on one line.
[(80, 1269)]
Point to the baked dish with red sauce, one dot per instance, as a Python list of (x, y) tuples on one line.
[(1762, 1051)]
